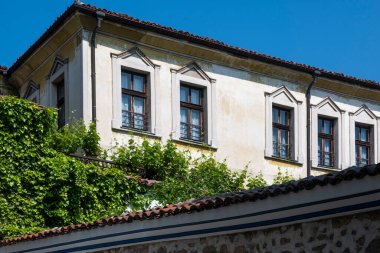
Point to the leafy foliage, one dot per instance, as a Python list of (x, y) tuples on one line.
[(76, 138), (256, 181), (42, 187), (282, 177), (152, 160), (207, 177)]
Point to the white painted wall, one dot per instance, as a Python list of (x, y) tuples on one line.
[(236, 105)]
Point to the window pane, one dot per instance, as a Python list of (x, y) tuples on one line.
[(364, 153), (196, 117), (184, 126), (328, 159), (184, 94), (126, 111), (327, 147), (357, 129), (275, 141), (139, 113), (327, 126), (196, 125), (126, 102), (319, 125), (275, 115), (364, 134), (125, 80), (60, 91), (284, 137), (275, 134), (138, 83), (139, 105), (284, 143), (184, 115), (283, 117), (195, 96)]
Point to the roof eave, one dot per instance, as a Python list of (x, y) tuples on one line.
[(110, 16)]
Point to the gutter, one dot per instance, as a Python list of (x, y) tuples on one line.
[(315, 74), (99, 17)]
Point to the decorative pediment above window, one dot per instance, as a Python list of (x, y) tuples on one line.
[(31, 89), (364, 113), (328, 107), (283, 96), (136, 55), (32, 92), (57, 65), (194, 70)]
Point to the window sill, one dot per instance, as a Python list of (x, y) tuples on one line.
[(136, 132), (293, 162), (326, 169), (195, 144)]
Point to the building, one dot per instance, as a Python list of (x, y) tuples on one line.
[(142, 80), (5, 88)]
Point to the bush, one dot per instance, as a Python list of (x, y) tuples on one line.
[(282, 178), (152, 160), (42, 187), (76, 138)]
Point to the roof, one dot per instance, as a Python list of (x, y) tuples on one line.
[(213, 202), (183, 35), (3, 69)]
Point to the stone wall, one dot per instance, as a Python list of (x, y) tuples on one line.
[(348, 234)]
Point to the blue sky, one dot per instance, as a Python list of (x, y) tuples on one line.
[(340, 35)]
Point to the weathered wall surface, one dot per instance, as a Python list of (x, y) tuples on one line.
[(239, 108), (348, 234)]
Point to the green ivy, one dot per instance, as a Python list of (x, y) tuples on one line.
[(42, 187)]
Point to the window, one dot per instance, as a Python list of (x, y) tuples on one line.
[(283, 126), (192, 113), (362, 145), (281, 132), (364, 137), (61, 103), (32, 92), (134, 99), (326, 142), (194, 106)]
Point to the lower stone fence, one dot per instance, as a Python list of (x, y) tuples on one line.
[(346, 234)]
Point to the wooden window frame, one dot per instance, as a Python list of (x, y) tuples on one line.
[(362, 144), (133, 94), (323, 137), (280, 126), (190, 106)]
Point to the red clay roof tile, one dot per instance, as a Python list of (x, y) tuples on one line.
[(212, 202)]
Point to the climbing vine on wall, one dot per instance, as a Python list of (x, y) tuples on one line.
[(42, 187)]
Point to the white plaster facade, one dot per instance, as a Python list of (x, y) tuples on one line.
[(240, 94)]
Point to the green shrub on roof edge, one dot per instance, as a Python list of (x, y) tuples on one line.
[(42, 187)]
